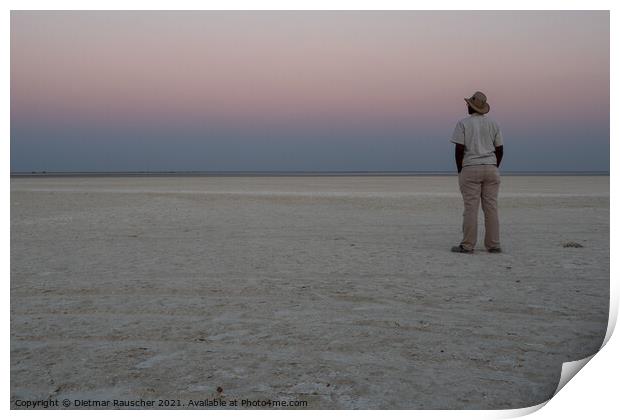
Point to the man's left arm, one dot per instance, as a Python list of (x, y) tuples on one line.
[(498, 142)]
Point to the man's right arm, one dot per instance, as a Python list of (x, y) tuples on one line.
[(459, 154), (458, 138)]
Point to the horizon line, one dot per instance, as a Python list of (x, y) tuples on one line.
[(280, 173)]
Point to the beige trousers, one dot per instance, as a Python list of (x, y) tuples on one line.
[(480, 182)]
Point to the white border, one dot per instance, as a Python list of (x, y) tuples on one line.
[(309, 5), (592, 393)]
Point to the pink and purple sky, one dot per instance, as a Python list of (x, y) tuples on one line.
[(303, 90)]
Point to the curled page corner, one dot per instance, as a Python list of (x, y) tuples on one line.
[(570, 369), (518, 412), (613, 317)]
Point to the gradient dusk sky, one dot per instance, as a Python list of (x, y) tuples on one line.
[(304, 90)]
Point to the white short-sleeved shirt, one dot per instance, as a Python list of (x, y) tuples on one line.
[(480, 135)]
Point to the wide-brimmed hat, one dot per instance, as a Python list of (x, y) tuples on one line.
[(478, 102)]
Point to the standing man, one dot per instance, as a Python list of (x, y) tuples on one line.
[(478, 153)]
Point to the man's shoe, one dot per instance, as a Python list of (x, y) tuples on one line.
[(460, 249), (495, 250)]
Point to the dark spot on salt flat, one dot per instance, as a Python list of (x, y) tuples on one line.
[(517, 281), (508, 267), (220, 389), (351, 244), (327, 384), (572, 245), (200, 339)]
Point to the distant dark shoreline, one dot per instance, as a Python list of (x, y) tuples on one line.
[(286, 173)]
